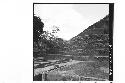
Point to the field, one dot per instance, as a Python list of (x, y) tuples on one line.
[(66, 69)]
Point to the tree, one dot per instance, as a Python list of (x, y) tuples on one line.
[(44, 42), (37, 31), (37, 28)]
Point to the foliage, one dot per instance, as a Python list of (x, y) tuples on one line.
[(45, 42), (94, 41), (37, 28)]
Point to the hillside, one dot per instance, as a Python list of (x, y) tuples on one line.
[(93, 41)]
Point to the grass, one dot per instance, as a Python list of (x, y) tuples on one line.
[(86, 70)]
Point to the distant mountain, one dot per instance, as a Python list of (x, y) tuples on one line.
[(93, 41)]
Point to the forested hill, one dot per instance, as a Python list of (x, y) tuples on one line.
[(93, 41)]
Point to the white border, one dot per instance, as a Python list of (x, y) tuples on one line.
[(16, 39)]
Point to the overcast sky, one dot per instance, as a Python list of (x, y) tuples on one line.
[(70, 18)]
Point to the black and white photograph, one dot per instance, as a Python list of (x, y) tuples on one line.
[(73, 41)]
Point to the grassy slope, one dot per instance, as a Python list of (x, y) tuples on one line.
[(82, 69), (92, 41)]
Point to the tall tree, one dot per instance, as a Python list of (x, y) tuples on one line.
[(37, 31), (37, 28)]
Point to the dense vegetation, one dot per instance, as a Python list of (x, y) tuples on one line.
[(94, 41), (45, 42)]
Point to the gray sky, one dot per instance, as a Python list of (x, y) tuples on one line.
[(70, 18)]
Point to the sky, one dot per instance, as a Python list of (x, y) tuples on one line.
[(71, 19)]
